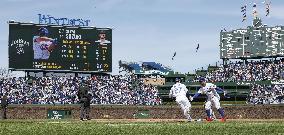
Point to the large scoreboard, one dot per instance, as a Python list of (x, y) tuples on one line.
[(257, 41), (59, 48)]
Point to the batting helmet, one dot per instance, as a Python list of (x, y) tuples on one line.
[(43, 31)]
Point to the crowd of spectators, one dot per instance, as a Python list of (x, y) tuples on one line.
[(105, 89), (253, 71), (129, 89), (248, 71), (266, 94)]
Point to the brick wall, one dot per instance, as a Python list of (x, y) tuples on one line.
[(156, 112)]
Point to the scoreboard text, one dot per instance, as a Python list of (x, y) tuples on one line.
[(256, 41), (59, 48)]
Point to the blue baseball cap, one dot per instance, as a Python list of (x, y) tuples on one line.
[(43, 31), (202, 79), (177, 79)]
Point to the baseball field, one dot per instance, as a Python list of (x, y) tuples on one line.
[(141, 126)]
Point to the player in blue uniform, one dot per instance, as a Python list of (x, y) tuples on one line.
[(213, 98)]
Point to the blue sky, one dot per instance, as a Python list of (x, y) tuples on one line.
[(148, 30)]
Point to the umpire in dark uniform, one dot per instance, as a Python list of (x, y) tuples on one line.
[(85, 100), (4, 105)]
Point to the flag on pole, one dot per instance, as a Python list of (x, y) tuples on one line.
[(244, 11), (267, 8)]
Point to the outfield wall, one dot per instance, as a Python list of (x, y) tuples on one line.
[(156, 112)]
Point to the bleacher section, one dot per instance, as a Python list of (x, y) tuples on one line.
[(146, 68), (135, 67), (155, 66), (130, 66), (238, 88)]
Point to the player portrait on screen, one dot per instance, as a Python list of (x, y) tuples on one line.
[(102, 39), (43, 45)]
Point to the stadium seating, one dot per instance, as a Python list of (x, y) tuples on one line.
[(105, 89)]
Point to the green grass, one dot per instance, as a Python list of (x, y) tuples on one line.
[(69, 127)]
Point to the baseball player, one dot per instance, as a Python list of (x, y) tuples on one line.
[(103, 40), (42, 45), (213, 98), (179, 91), (212, 114)]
